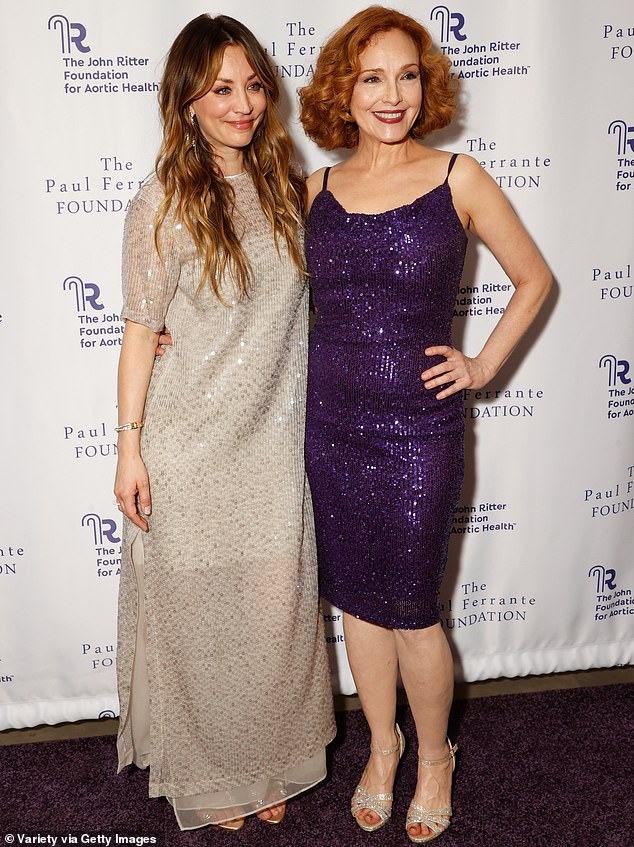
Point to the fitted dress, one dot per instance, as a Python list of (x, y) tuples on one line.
[(222, 670), (384, 456)]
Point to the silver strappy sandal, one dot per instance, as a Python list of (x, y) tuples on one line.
[(377, 803), (437, 820)]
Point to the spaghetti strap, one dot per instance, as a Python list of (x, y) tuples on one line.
[(452, 162), (325, 182)]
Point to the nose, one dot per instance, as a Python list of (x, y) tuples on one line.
[(392, 92), (243, 103)]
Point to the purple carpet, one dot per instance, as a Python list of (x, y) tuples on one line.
[(534, 770)]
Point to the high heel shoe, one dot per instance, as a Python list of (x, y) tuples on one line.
[(377, 803), (278, 818), (436, 820), (232, 826)]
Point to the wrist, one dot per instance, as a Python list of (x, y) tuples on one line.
[(129, 443)]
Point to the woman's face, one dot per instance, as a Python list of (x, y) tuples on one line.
[(230, 112), (388, 94)]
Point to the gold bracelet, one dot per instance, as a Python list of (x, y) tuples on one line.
[(131, 425)]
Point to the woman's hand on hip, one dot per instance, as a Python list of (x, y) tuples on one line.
[(457, 369)]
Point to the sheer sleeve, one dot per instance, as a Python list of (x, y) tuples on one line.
[(149, 280)]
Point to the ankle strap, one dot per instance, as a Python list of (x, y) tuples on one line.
[(450, 755), (388, 752), (395, 749)]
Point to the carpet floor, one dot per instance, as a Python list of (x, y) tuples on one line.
[(551, 769)]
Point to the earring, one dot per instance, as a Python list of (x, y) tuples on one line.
[(192, 117)]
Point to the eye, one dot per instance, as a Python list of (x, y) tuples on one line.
[(256, 86), (223, 90), (371, 79), (411, 75)]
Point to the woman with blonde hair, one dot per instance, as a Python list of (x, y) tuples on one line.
[(218, 608), (385, 245)]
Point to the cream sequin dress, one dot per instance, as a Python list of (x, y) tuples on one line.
[(223, 677)]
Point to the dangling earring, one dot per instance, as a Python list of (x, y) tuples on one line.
[(192, 117)]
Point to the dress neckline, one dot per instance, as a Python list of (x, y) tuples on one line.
[(387, 211)]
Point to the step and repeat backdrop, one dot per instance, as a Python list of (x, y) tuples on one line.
[(541, 574)]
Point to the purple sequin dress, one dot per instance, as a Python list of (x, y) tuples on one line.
[(384, 457)]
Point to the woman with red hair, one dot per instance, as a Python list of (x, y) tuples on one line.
[(385, 245)]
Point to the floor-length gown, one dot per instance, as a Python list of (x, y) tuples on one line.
[(222, 671)]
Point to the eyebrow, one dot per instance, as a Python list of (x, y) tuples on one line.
[(222, 79), (402, 68)]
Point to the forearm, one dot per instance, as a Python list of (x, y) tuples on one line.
[(519, 314), (135, 368)]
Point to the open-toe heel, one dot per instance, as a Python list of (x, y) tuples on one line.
[(377, 803), (436, 820), (231, 826), (275, 818)]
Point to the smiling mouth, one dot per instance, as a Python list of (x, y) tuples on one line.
[(241, 124), (390, 117)]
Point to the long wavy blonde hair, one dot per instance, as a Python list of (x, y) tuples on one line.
[(193, 183)]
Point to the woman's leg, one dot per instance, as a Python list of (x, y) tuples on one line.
[(374, 663), (426, 666)]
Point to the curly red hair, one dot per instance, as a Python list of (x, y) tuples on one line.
[(324, 102)]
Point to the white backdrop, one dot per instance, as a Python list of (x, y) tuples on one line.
[(540, 576)]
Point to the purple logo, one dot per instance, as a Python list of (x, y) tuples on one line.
[(102, 528), (451, 23), (605, 577), (72, 35), (618, 370), (85, 293), (624, 135)]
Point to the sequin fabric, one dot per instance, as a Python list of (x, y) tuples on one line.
[(237, 673), (384, 456)]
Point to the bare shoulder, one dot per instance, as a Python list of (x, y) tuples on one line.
[(473, 189), (467, 172)]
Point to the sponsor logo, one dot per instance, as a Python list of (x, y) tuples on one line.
[(483, 518), (611, 282), (501, 403), (100, 656), (96, 326), (624, 135), (510, 170), (96, 74), (107, 544), (10, 559), (72, 36), (488, 298), (107, 191), (620, 402), (611, 601), (90, 442), (617, 40), (472, 60), (615, 500), (480, 603), (106, 713), (293, 52), (451, 24)]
